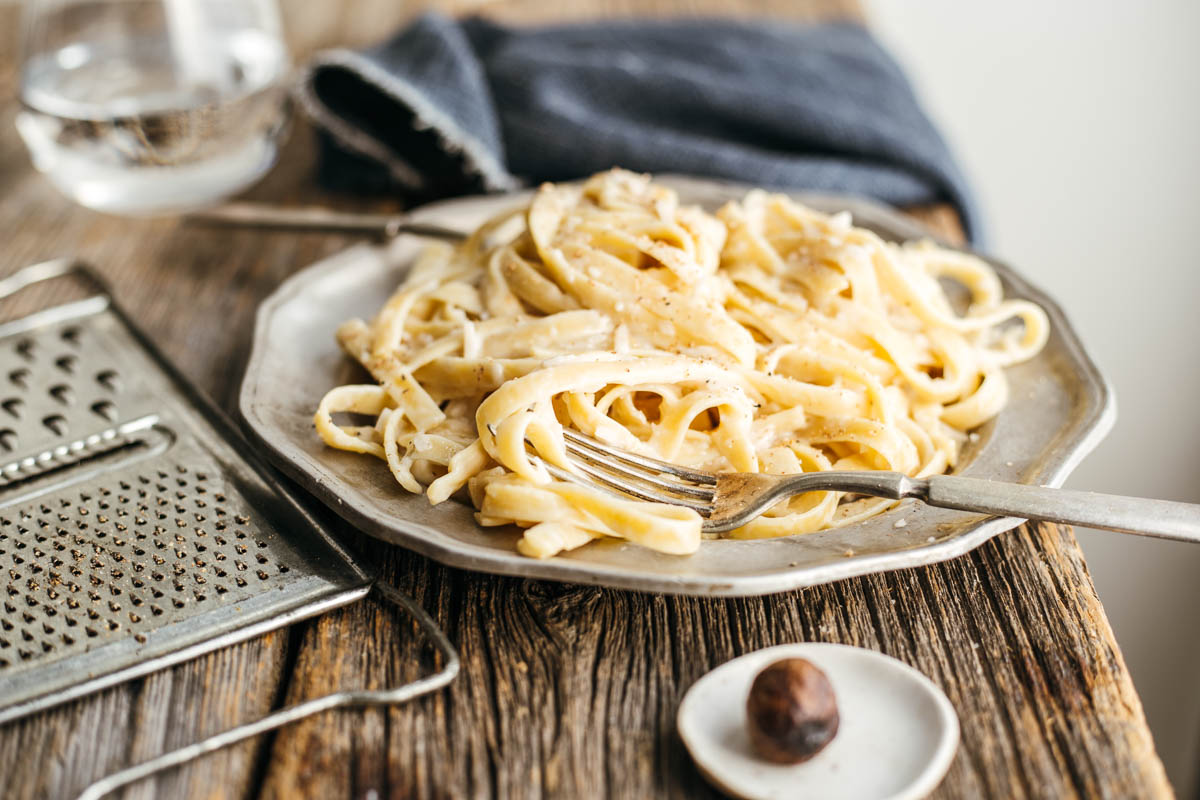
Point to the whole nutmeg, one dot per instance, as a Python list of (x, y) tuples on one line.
[(791, 712)]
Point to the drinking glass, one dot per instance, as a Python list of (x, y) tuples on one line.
[(152, 106)]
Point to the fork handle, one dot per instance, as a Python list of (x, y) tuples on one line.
[(1164, 519)]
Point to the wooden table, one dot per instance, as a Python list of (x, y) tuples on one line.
[(566, 691)]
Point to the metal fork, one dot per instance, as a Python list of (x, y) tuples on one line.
[(729, 500)]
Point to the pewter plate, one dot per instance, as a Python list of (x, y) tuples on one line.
[(1060, 408)]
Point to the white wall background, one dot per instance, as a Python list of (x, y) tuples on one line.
[(1079, 124)]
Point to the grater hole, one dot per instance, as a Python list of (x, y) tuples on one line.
[(63, 394), (71, 335), (109, 379), (24, 348), (67, 363), (56, 423), (19, 377), (13, 406), (8, 440), (105, 409)]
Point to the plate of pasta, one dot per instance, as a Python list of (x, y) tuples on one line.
[(419, 388)]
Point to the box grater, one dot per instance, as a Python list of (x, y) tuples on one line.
[(134, 530)]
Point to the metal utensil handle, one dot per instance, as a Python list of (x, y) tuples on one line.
[(317, 219), (49, 270), (298, 712), (1161, 518)]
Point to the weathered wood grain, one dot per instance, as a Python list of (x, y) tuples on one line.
[(566, 691), (570, 691)]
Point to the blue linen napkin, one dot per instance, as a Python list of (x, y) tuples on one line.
[(458, 106)]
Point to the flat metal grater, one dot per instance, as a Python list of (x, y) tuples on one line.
[(133, 533)]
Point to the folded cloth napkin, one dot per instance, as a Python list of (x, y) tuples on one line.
[(451, 107)]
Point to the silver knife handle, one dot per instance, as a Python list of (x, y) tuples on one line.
[(1162, 518), (317, 219)]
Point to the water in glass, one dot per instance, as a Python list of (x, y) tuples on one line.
[(150, 117)]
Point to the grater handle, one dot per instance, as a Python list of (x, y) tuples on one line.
[(285, 716)]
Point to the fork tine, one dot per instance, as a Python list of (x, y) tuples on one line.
[(617, 485), (610, 454), (617, 473), (612, 463)]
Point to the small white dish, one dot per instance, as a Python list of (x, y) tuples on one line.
[(896, 737)]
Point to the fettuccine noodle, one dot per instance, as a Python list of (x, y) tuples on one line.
[(765, 338)]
